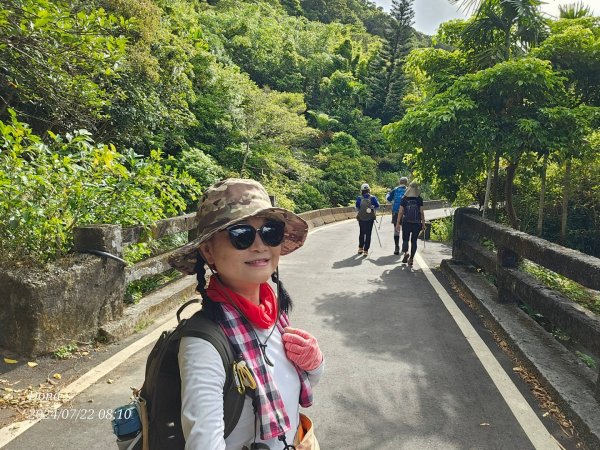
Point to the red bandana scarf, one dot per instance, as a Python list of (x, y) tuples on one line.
[(261, 316)]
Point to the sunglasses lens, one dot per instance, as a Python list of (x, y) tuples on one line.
[(272, 233), (241, 236)]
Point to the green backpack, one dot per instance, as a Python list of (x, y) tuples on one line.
[(366, 210)]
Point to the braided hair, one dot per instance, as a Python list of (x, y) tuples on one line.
[(212, 309)]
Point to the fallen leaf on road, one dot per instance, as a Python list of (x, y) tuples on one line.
[(32, 364), (10, 361), (109, 381), (57, 376)]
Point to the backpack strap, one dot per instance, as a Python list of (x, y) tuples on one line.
[(202, 327)]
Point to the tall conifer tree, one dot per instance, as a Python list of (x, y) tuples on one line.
[(387, 83)]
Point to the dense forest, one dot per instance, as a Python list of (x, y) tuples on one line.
[(123, 111)]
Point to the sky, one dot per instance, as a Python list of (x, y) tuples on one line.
[(430, 13)]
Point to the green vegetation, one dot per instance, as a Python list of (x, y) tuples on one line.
[(123, 111), (138, 289), (587, 359), (66, 351), (442, 229), (142, 325), (570, 289)]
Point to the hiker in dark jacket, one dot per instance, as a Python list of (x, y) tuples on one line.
[(395, 196), (366, 207), (411, 218), (240, 239)]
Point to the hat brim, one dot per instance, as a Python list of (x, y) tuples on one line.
[(412, 192), (296, 230)]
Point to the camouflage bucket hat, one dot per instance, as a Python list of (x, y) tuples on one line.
[(230, 201)]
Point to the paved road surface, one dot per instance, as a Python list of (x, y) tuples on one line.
[(400, 373)]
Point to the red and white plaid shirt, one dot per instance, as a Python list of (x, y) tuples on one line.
[(269, 405)]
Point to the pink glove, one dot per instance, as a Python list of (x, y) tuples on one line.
[(302, 348)]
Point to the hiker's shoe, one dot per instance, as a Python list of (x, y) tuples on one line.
[(397, 250), (360, 250), (405, 258), (365, 253), (410, 262)]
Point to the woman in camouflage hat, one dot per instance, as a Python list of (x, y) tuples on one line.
[(240, 239)]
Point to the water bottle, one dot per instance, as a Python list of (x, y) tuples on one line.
[(127, 426)]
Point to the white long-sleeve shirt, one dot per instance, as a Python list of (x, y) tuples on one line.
[(202, 382)]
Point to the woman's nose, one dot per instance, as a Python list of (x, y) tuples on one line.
[(258, 243)]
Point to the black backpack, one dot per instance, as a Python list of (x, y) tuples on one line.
[(365, 203), (412, 212), (160, 396)]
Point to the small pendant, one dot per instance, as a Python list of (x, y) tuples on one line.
[(263, 350)]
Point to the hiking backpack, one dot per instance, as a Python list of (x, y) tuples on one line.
[(412, 212), (159, 400), (363, 214)]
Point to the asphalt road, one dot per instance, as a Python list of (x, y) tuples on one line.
[(400, 372)]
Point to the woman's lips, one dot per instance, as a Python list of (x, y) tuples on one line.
[(258, 263)]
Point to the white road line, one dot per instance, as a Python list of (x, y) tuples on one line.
[(527, 418)]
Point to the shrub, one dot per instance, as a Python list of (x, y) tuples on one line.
[(48, 189)]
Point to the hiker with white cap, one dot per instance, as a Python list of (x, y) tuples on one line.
[(240, 239), (366, 207)]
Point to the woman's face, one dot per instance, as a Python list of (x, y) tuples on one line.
[(241, 270)]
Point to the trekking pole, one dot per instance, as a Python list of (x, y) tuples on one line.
[(380, 219), (377, 233)]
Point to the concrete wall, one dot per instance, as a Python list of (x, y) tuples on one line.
[(43, 310), (320, 217)]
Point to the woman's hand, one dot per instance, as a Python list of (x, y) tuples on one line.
[(302, 348)]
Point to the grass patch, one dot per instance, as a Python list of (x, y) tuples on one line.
[(66, 351), (137, 252), (569, 288), (587, 360), (142, 325), (138, 289)]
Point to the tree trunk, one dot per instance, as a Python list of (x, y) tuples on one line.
[(246, 153), (495, 186), (488, 188), (511, 171), (565, 202), (540, 223)]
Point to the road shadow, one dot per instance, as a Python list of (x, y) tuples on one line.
[(417, 383), (352, 261)]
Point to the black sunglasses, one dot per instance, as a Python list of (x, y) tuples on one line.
[(242, 235)]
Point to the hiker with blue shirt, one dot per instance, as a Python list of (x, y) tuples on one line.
[(366, 207), (395, 195)]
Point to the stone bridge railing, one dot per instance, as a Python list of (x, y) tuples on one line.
[(82, 296), (511, 246)]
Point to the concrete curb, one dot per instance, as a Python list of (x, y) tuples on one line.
[(149, 308), (569, 381)]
